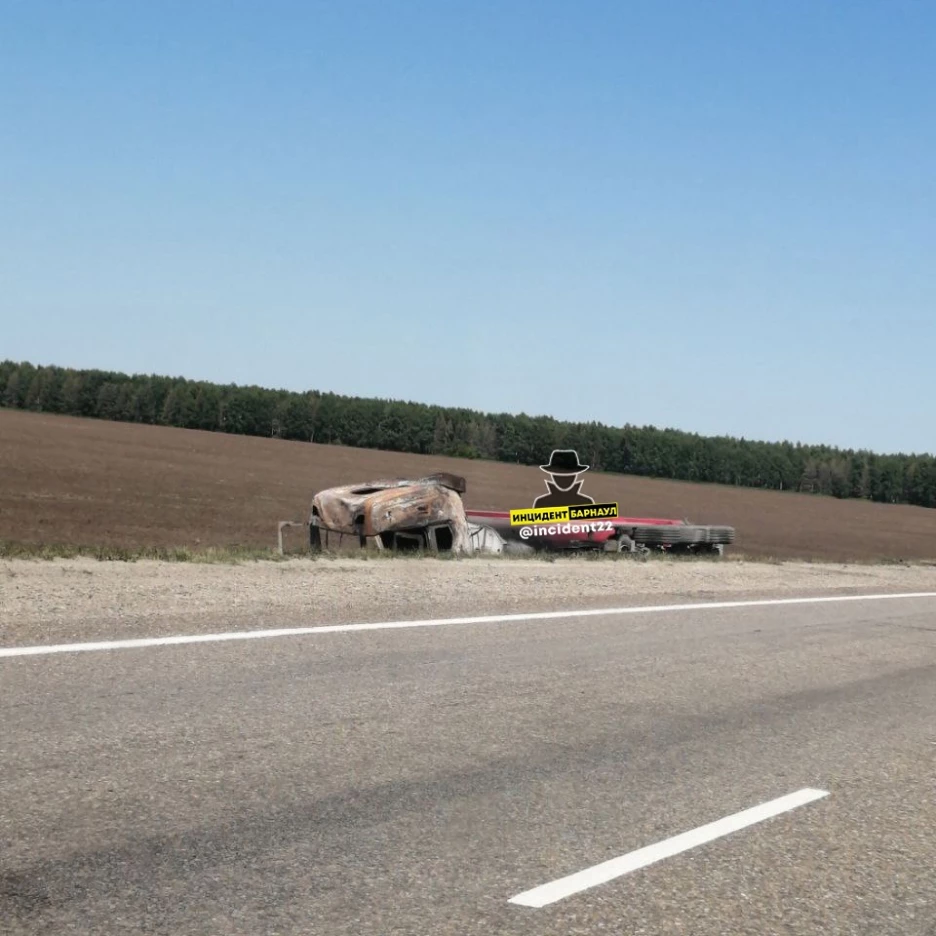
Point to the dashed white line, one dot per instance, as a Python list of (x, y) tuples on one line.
[(141, 642), (609, 870)]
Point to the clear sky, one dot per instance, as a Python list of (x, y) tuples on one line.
[(713, 216)]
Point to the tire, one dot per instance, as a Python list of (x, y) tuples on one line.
[(686, 535), (709, 549), (720, 535), (656, 536), (668, 535)]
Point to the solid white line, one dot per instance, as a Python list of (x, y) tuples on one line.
[(135, 643), (607, 871)]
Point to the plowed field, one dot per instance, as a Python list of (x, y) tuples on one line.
[(88, 482)]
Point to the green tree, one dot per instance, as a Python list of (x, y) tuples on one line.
[(73, 393), (179, 407), (13, 391), (205, 408), (443, 436), (107, 406), (44, 392), (7, 369)]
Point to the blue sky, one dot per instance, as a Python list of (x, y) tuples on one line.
[(715, 216)]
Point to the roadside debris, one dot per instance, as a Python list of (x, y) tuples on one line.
[(427, 514), (638, 535), (397, 513)]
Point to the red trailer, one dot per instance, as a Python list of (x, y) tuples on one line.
[(618, 534)]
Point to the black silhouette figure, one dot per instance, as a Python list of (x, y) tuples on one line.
[(564, 490)]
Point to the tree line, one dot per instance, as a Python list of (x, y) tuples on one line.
[(402, 426)]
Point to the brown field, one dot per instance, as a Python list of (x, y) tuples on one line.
[(86, 482)]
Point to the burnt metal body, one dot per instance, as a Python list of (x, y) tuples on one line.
[(396, 513)]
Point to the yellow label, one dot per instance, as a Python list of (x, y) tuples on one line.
[(527, 515), (530, 515), (593, 511)]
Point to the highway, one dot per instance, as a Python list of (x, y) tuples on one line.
[(423, 780)]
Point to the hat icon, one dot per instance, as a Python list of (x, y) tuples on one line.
[(564, 462)]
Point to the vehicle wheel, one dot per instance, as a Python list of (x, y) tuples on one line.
[(713, 549), (719, 535)]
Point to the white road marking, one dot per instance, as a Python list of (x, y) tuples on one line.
[(608, 870), (140, 642)]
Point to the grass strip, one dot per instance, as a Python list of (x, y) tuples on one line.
[(238, 554)]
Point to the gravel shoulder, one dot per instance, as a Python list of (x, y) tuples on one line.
[(64, 600)]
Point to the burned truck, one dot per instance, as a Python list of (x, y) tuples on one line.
[(427, 514), (423, 514)]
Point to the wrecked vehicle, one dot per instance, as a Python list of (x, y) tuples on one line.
[(424, 514), (619, 534), (427, 514)]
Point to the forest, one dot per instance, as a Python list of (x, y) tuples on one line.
[(404, 426)]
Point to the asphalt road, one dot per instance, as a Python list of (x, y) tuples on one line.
[(414, 781)]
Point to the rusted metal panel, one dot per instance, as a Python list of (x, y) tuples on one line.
[(416, 505), (391, 505)]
